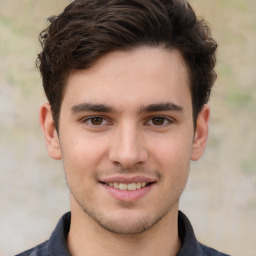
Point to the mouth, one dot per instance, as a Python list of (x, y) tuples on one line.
[(128, 186)]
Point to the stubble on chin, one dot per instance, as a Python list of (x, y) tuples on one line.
[(123, 225)]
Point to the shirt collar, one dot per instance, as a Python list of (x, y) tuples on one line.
[(190, 245), (57, 242)]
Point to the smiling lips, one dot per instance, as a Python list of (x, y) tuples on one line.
[(129, 186), (128, 189)]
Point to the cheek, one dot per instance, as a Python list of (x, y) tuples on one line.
[(82, 157), (175, 165), (173, 151), (84, 149), (172, 157)]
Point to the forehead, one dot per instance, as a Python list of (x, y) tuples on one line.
[(146, 75)]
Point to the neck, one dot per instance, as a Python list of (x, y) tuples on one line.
[(86, 237)]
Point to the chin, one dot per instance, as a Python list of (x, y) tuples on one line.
[(126, 226), (126, 222)]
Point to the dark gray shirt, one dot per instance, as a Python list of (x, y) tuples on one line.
[(56, 245)]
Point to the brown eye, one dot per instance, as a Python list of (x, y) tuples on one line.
[(158, 120), (96, 120)]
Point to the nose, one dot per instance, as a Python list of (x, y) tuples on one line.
[(127, 147)]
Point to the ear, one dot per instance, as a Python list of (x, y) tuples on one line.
[(201, 133), (49, 131)]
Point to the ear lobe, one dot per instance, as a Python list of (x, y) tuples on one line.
[(201, 133), (49, 131)]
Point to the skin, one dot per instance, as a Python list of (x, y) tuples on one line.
[(128, 118)]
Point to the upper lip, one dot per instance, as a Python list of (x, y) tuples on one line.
[(123, 179)]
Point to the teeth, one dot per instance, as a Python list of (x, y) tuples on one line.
[(123, 186), (138, 185), (129, 186)]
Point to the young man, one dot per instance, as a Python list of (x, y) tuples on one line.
[(127, 83)]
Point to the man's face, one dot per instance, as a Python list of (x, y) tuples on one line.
[(126, 138)]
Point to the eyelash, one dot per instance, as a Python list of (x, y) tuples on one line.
[(166, 121), (88, 120)]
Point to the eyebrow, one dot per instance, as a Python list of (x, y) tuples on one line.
[(83, 107), (160, 107), (88, 107)]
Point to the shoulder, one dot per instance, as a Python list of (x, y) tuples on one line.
[(208, 251), (39, 250)]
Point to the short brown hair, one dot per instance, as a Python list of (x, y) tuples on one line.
[(88, 29)]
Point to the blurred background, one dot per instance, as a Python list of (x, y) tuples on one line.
[(220, 198)]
